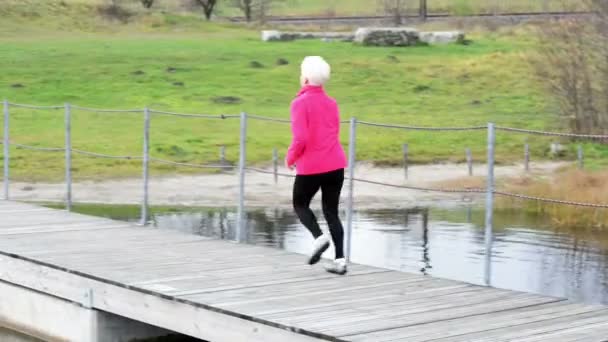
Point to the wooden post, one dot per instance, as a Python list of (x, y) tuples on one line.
[(405, 160), (423, 10)]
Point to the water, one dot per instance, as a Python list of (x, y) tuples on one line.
[(527, 255)]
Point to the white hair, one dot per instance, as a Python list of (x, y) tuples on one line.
[(316, 70)]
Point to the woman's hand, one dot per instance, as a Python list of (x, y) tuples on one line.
[(290, 167)]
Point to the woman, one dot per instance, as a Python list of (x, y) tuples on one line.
[(319, 159)]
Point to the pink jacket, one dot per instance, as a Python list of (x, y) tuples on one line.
[(315, 124)]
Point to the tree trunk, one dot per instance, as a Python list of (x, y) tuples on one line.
[(423, 10)]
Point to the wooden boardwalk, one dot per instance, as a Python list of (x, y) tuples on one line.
[(222, 291)]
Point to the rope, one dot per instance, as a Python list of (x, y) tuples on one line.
[(200, 166), (98, 110), (34, 107), (203, 116), (554, 134), (415, 128), (549, 200), (408, 187), (36, 148), (270, 172), (101, 155), (266, 118)]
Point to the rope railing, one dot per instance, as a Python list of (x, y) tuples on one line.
[(199, 166), (19, 105), (418, 128), (425, 189), (106, 156), (38, 148), (551, 200), (258, 170), (553, 134), (202, 116), (267, 118), (276, 173), (101, 110)]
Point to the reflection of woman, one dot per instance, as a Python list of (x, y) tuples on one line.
[(319, 159)]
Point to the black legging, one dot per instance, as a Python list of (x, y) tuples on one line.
[(305, 188)]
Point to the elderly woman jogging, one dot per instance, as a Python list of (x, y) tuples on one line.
[(319, 160)]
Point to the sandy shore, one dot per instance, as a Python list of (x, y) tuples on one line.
[(221, 190)]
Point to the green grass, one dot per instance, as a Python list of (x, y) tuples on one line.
[(429, 86)]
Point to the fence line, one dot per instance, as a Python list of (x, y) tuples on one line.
[(489, 191)]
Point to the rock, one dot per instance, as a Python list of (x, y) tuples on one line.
[(271, 36), (278, 36), (445, 37), (227, 99), (256, 65), (557, 150), (17, 85), (393, 59), (386, 36), (282, 61)]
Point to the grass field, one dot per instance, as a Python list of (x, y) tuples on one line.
[(177, 63)]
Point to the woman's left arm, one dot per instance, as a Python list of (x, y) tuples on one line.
[(299, 128)]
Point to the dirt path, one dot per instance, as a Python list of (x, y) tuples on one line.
[(221, 190)]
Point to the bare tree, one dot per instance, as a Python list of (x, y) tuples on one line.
[(573, 63), (396, 9), (147, 3), (247, 7), (208, 7)]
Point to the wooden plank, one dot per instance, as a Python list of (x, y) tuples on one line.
[(463, 327), (423, 315), (183, 317)]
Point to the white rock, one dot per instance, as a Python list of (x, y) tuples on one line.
[(271, 35), (445, 37)]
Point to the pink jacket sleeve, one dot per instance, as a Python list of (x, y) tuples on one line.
[(299, 128)]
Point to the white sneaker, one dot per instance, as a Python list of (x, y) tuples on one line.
[(338, 266), (319, 247)]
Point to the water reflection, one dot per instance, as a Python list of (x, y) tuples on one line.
[(527, 254)]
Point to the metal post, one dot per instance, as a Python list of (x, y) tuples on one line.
[(406, 160), (6, 151), (145, 166), (527, 157), (469, 161), (68, 157), (489, 203), (222, 155), (241, 217), (275, 164), (351, 186), (581, 158)]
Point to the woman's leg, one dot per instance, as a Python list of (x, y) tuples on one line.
[(331, 187), (304, 189)]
